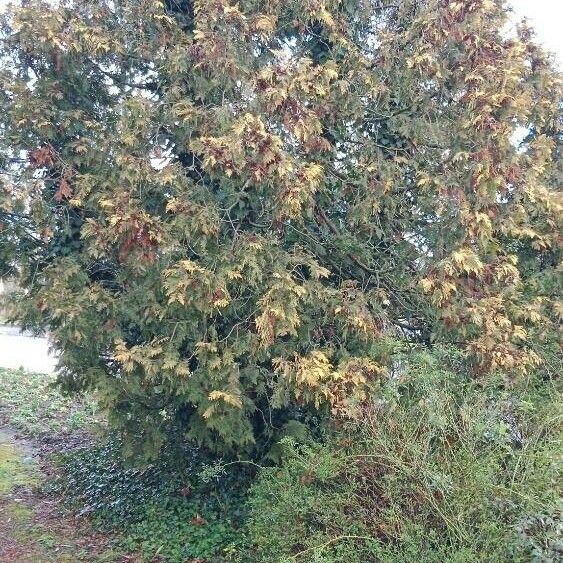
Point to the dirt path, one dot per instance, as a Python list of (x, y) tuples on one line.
[(31, 526)]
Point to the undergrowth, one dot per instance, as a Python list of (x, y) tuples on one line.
[(438, 469), (183, 508), (30, 403)]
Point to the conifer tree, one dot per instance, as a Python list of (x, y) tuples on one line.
[(222, 211)]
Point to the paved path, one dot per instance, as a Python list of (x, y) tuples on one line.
[(24, 350)]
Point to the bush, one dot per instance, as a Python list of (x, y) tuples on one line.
[(440, 470), (218, 209)]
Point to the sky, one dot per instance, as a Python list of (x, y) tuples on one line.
[(546, 16)]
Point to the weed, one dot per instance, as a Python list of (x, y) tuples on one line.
[(438, 469), (30, 403)]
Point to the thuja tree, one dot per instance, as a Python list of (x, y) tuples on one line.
[(221, 211)]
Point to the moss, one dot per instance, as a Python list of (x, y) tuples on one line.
[(17, 512), (13, 471), (31, 407), (15, 474), (17, 522)]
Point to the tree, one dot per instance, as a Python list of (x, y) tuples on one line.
[(221, 211)]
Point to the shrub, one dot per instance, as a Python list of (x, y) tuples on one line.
[(219, 209), (438, 470)]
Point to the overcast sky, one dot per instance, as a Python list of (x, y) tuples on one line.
[(546, 17)]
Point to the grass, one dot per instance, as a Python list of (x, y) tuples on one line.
[(28, 529), (31, 404)]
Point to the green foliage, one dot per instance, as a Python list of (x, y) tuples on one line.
[(183, 508), (32, 404), (437, 470), (221, 211)]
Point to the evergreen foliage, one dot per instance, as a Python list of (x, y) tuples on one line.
[(221, 211)]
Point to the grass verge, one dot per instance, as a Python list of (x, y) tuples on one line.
[(31, 404)]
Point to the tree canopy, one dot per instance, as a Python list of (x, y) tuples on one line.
[(223, 211)]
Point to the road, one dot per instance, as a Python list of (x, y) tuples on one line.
[(24, 350)]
